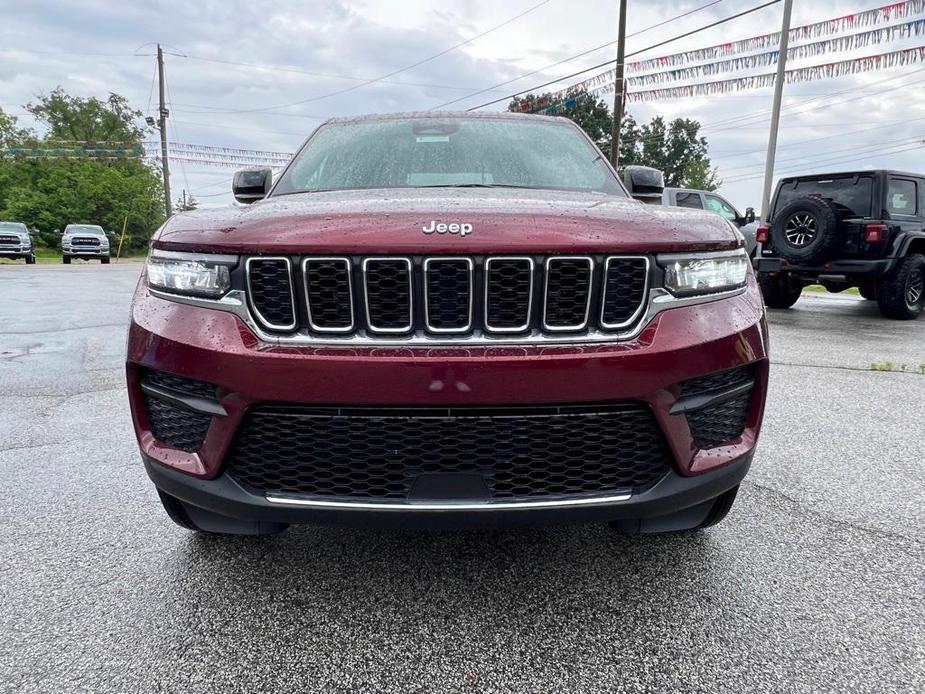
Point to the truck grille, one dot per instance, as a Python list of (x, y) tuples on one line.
[(397, 297), (511, 453), (87, 241), (10, 240)]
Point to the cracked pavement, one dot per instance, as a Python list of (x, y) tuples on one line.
[(815, 582)]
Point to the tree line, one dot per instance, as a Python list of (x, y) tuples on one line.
[(45, 185), (676, 148)]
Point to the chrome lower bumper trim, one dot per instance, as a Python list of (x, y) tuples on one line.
[(412, 507)]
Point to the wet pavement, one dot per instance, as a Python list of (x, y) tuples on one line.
[(815, 582)]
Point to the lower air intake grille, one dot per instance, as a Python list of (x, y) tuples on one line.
[(516, 453), (175, 425), (719, 424)]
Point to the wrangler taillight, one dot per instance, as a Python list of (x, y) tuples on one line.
[(875, 233), (763, 235)]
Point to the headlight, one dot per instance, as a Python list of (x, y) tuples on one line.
[(192, 274), (704, 273)]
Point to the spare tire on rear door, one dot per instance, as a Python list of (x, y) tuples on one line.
[(805, 231)]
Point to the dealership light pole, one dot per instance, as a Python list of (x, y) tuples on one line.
[(775, 114), (618, 89), (162, 124)]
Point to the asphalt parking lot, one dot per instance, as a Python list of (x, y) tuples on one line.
[(816, 581)]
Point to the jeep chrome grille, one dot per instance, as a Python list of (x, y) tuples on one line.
[(509, 297)]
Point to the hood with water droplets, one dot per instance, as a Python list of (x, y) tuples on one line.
[(395, 220)]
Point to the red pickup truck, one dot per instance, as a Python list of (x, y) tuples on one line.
[(447, 320)]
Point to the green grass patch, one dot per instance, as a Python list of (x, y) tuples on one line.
[(819, 289)]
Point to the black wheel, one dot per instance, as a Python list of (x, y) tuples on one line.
[(868, 291), (209, 523), (805, 231), (66, 260), (779, 291), (902, 296), (30, 260), (104, 261)]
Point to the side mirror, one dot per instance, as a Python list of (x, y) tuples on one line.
[(750, 215), (644, 183), (251, 185)]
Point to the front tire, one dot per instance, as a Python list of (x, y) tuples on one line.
[(778, 290), (30, 260), (902, 296), (104, 261), (66, 260)]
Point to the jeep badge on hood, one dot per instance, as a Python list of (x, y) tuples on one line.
[(453, 228)]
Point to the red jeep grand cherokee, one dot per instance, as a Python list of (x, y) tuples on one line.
[(446, 319)]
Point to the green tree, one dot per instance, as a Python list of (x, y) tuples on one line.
[(679, 151), (88, 120), (676, 148), (48, 192)]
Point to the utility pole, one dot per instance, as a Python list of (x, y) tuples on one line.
[(775, 114), (162, 124), (619, 89)]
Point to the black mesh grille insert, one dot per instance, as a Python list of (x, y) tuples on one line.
[(327, 288), (449, 293), (718, 382), (509, 283), (519, 452), (271, 291), (568, 291), (179, 384), (624, 290), (175, 425), (388, 294), (721, 423)]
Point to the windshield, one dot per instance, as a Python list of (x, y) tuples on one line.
[(83, 229), (448, 152), (13, 226), (852, 194)]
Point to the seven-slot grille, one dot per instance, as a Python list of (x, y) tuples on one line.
[(10, 240), (518, 296)]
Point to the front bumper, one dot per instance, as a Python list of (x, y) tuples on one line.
[(217, 347), (85, 252), (225, 497), (13, 252)]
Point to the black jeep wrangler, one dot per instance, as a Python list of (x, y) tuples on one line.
[(863, 229)]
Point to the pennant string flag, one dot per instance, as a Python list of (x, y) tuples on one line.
[(829, 27), (855, 66)]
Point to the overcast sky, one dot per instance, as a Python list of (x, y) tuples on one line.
[(313, 48)]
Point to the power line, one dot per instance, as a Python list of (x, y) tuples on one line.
[(608, 62), (403, 69), (324, 75), (577, 55)]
